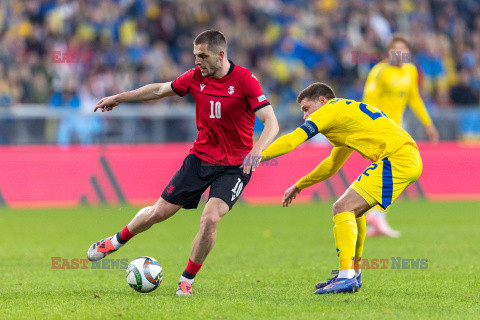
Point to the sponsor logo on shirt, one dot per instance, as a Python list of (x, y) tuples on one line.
[(231, 90), (262, 98), (202, 86)]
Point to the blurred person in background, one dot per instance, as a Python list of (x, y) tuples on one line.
[(73, 101), (463, 94), (390, 86)]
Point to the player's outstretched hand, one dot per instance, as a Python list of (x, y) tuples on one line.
[(107, 104), (290, 194), (251, 161), (432, 133)]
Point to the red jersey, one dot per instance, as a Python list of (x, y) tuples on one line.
[(225, 112)]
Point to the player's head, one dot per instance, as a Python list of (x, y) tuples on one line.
[(313, 97), (398, 48), (210, 50)]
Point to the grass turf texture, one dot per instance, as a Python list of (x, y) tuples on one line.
[(264, 265)]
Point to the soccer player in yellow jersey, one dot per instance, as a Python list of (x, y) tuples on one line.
[(390, 86), (351, 126)]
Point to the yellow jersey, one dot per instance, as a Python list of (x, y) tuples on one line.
[(390, 88), (359, 126), (350, 126)]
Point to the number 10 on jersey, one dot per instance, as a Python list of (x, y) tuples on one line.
[(215, 109)]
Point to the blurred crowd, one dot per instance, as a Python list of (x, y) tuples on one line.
[(68, 54)]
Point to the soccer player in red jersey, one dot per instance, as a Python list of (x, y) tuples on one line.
[(228, 97)]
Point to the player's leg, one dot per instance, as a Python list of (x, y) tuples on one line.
[(381, 183), (184, 190), (378, 224), (224, 193), (143, 220), (214, 211), (349, 233), (148, 216)]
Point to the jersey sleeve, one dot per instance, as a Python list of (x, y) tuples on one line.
[(254, 93), (284, 144), (319, 121), (181, 85), (415, 101), (326, 168)]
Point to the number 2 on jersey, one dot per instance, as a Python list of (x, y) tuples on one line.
[(216, 109), (373, 115), (364, 109)]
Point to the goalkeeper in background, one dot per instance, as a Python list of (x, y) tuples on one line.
[(390, 86)]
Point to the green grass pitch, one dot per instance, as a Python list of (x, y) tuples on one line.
[(264, 265)]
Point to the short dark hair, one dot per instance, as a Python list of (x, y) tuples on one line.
[(215, 40), (315, 91), (400, 37)]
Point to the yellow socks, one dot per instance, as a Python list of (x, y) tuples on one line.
[(362, 232), (345, 232)]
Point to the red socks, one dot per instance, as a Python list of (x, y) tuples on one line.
[(125, 235), (191, 270)]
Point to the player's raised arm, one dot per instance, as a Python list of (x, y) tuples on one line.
[(270, 131), (149, 92), (323, 171)]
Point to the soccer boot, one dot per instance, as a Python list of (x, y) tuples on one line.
[(340, 285), (359, 281), (327, 282), (101, 249), (184, 288)]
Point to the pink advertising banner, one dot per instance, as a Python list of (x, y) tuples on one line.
[(50, 176)]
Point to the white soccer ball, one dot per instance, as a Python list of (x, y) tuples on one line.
[(144, 274)]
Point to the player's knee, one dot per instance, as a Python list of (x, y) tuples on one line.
[(157, 214), (209, 222), (338, 207)]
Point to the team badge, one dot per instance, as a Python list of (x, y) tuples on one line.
[(231, 90)]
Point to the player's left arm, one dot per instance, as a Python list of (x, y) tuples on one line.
[(418, 107), (263, 110), (323, 171), (269, 132)]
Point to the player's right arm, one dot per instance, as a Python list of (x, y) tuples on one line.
[(323, 171), (149, 92), (179, 86), (285, 144), (418, 107)]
